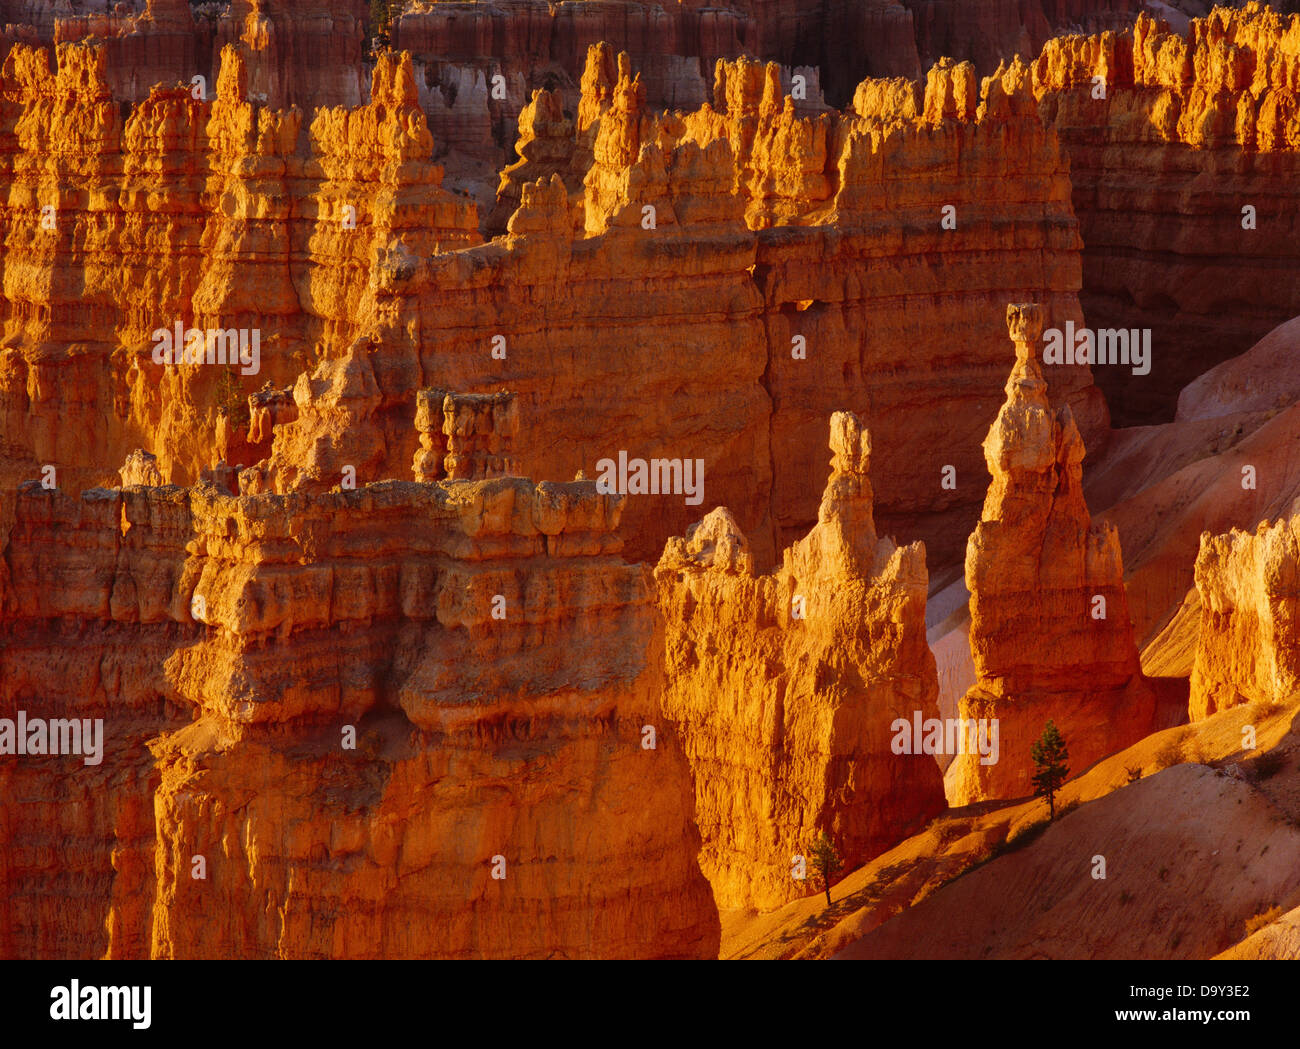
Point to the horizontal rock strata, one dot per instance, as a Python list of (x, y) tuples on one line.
[(355, 707)]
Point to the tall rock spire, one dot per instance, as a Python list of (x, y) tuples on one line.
[(1050, 632), (787, 688)]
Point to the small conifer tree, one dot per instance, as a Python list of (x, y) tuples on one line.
[(1049, 754), (826, 861)]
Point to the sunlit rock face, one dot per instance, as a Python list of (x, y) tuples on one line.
[(417, 532), (785, 688), (1144, 115), (1248, 648), (407, 720), (1049, 630)]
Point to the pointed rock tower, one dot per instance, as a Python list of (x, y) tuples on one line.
[(1050, 631), (785, 688)]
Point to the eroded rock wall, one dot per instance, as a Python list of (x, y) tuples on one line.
[(301, 52), (224, 215), (495, 661), (1192, 131), (826, 304), (1248, 648), (257, 234)]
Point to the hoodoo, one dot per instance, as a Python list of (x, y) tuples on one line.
[(784, 688), (1049, 631)]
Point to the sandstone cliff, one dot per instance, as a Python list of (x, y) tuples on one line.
[(770, 324), (218, 215), (351, 714), (678, 45), (355, 707), (785, 687), (321, 232), (1170, 138), (1050, 631), (301, 52)]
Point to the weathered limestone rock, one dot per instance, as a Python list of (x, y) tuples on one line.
[(302, 52), (854, 207), (268, 408), (1192, 130), (464, 437), (986, 32), (317, 231), (678, 45), (141, 468), (1050, 631), (1248, 648), (784, 687), (220, 214), (332, 438), (349, 705), (358, 698), (162, 44), (546, 147), (533, 40)]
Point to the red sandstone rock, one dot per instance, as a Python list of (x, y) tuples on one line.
[(1190, 132), (476, 735), (226, 215), (773, 219)]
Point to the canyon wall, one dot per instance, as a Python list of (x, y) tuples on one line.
[(785, 687), (1248, 648), (161, 43), (1049, 628), (745, 339), (223, 215), (986, 32), (301, 52), (399, 721), (1191, 132), (1181, 134), (532, 40), (678, 46), (322, 233)]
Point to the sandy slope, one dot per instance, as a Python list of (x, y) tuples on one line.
[(1228, 842), (1164, 485), (1280, 939), (1190, 855)]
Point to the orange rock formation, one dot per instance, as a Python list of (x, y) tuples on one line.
[(1170, 139), (257, 235), (1248, 648), (355, 707), (301, 52), (350, 713), (225, 215), (775, 317), (785, 687), (1049, 632), (1225, 462)]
